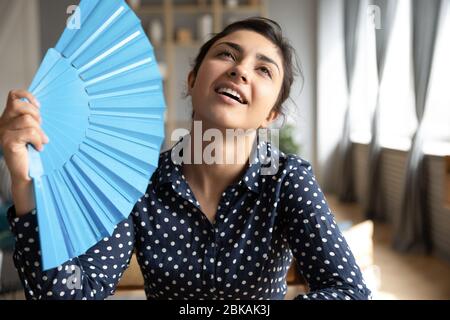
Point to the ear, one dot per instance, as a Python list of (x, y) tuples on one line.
[(191, 82), (270, 118)]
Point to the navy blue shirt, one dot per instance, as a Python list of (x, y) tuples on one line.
[(261, 222)]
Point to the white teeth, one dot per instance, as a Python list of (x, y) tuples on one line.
[(230, 91)]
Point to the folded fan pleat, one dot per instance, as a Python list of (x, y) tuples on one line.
[(102, 105)]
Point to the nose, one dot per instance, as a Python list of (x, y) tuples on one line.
[(238, 73)]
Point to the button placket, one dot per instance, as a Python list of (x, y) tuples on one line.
[(209, 264)]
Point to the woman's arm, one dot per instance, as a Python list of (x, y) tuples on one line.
[(22, 195), (93, 275), (20, 125), (323, 256), (90, 276)]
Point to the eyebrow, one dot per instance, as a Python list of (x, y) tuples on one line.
[(259, 56)]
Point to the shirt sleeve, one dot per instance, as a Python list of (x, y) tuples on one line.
[(322, 253), (92, 276)]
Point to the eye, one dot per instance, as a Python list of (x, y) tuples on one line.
[(226, 54), (266, 71)]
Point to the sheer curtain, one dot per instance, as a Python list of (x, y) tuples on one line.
[(398, 121), (365, 83), (352, 14), (386, 10), (412, 231), (436, 129)]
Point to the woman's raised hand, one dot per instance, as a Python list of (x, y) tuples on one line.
[(20, 124)]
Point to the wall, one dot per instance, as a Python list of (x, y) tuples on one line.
[(19, 45), (436, 205), (360, 154), (53, 15), (299, 23), (393, 165)]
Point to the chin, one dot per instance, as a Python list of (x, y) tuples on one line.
[(220, 120)]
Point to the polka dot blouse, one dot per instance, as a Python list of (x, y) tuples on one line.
[(262, 221)]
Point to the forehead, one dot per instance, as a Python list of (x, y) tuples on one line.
[(252, 43)]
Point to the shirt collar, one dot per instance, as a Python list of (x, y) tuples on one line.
[(264, 164), (170, 171)]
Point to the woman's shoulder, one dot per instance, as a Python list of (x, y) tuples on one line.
[(294, 162), (299, 188), (291, 172), (165, 159), (298, 169)]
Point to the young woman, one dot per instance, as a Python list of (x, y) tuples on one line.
[(202, 231)]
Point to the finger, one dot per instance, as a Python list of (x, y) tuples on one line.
[(21, 108), (24, 94), (30, 135), (25, 122), (13, 139)]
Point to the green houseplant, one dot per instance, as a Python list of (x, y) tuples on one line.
[(287, 142)]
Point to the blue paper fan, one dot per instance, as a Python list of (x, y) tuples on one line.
[(102, 106)]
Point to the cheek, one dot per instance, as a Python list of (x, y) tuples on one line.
[(208, 72), (265, 95)]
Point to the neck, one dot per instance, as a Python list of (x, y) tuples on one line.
[(218, 157)]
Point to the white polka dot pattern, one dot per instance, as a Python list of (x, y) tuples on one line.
[(261, 222)]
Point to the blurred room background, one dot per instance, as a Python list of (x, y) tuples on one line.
[(372, 115)]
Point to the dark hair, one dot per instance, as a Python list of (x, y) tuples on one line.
[(272, 31)]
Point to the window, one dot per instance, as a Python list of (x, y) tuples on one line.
[(398, 120), (437, 113), (365, 83)]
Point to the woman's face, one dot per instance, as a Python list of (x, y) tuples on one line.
[(238, 82)]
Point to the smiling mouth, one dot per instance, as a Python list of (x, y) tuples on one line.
[(232, 95)]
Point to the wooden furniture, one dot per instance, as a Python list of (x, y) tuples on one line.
[(294, 277), (177, 17), (132, 278)]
